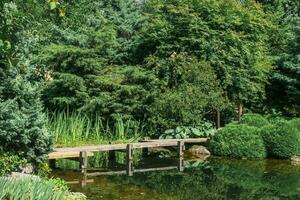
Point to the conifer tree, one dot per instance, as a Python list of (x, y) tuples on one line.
[(22, 123), (286, 79)]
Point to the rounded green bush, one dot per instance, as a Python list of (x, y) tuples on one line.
[(255, 120), (282, 140), (238, 141), (296, 124)]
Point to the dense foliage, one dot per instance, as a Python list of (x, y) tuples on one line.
[(22, 128), (238, 141), (35, 188), (255, 120), (11, 163), (158, 64), (278, 137), (282, 140)]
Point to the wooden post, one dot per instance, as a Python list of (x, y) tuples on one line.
[(52, 163), (129, 160), (145, 150), (180, 148), (218, 120), (181, 164), (129, 169), (83, 159), (84, 178)]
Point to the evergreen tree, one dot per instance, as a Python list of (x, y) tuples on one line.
[(284, 88), (128, 19), (92, 40), (22, 123), (286, 79), (22, 128)]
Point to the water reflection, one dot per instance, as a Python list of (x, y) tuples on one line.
[(210, 179)]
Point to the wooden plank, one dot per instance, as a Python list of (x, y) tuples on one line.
[(106, 173), (188, 140), (68, 154), (122, 172), (80, 181), (155, 169), (74, 152), (148, 143)]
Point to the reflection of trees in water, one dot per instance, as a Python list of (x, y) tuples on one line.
[(225, 179)]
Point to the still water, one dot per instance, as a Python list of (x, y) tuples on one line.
[(210, 179)]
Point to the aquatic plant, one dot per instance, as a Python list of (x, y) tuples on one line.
[(76, 128), (29, 188), (34, 188)]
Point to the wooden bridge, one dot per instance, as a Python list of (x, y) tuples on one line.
[(83, 152)]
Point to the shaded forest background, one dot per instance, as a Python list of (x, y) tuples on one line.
[(164, 63)]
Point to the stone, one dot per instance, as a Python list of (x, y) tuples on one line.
[(23, 175), (76, 195), (198, 151), (28, 169), (295, 160)]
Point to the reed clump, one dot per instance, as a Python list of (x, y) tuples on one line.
[(75, 128)]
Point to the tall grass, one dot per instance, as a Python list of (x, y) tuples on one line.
[(74, 128)]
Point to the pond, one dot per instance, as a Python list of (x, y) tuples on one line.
[(210, 179)]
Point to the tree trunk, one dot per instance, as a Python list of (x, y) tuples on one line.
[(240, 111), (218, 119)]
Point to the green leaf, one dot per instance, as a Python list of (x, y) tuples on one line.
[(53, 5)]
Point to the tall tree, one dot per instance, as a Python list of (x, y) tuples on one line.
[(91, 39), (231, 35), (284, 88)]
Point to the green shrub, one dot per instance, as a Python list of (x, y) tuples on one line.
[(206, 129), (192, 91), (44, 170), (238, 141), (255, 120), (22, 122), (282, 140), (10, 163), (296, 124)]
